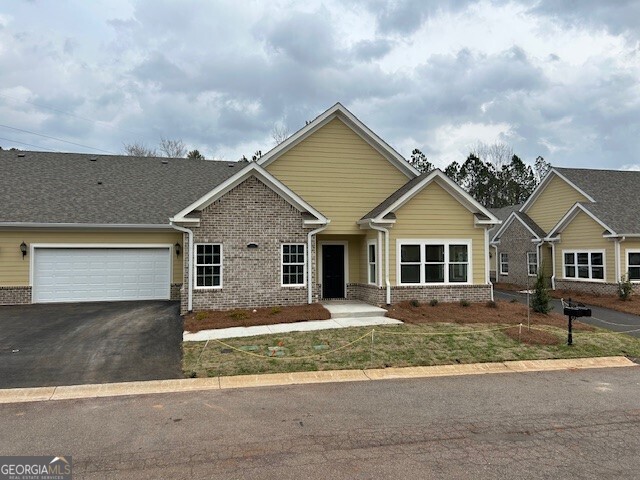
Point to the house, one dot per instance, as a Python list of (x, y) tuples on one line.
[(501, 214), (580, 228), (332, 212)]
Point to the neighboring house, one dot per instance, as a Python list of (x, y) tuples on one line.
[(582, 228), (332, 212), (501, 214)]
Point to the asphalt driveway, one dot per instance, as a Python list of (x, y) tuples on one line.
[(601, 317), (68, 344)]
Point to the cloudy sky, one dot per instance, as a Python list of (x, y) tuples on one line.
[(550, 78)]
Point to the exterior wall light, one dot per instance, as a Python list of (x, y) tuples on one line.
[(23, 249), (176, 247)]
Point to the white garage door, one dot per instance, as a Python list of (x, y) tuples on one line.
[(101, 274)]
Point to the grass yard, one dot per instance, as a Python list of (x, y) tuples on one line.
[(412, 344)]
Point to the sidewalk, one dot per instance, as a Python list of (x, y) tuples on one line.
[(21, 395)]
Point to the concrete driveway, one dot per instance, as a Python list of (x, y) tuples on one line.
[(601, 317), (68, 344)]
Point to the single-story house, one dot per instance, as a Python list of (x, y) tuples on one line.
[(332, 212), (580, 228)]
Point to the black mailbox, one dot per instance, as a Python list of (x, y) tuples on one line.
[(577, 310)]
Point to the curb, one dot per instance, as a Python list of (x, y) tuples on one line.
[(71, 392)]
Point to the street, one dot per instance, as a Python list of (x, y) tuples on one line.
[(564, 424)]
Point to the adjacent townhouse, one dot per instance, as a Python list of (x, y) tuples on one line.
[(580, 228), (331, 213)]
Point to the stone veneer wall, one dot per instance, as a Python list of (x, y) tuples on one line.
[(516, 242), (443, 293), (15, 295), (251, 277), (595, 288), (175, 294)]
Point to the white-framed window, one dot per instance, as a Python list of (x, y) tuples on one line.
[(583, 264), (532, 263), (208, 265), (424, 262), (372, 262), (504, 264), (293, 265), (633, 265)]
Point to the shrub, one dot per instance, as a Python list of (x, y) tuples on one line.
[(414, 303), (541, 300), (275, 310), (238, 315), (434, 302), (492, 304), (625, 287), (465, 303), (200, 316)]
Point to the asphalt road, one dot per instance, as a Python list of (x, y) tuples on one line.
[(556, 425), (68, 344), (601, 317)]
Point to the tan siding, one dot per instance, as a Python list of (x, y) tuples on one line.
[(339, 174), (364, 256), (583, 233), (553, 203), (14, 271), (434, 213), (354, 244)]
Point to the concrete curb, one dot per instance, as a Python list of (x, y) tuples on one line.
[(40, 394)]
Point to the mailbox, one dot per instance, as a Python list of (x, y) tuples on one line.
[(576, 310)]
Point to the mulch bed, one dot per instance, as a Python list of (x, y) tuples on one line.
[(532, 337), (606, 301), (505, 313), (210, 319)]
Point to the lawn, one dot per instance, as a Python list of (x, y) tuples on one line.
[(424, 342)]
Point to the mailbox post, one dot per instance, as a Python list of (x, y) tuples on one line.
[(574, 310)]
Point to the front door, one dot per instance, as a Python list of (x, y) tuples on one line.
[(332, 271)]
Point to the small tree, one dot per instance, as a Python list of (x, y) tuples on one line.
[(419, 161), (195, 154), (541, 300), (625, 287)]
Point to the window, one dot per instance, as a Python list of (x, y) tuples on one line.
[(208, 265), (585, 265), (427, 262), (371, 259), (532, 263), (633, 265), (504, 264), (293, 264)]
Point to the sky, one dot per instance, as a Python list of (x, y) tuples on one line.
[(560, 79)]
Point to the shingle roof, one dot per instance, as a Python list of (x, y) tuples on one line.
[(391, 199), (531, 224), (616, 195), (502, 214), (43, 187)]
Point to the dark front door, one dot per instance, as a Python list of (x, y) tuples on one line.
[(333, 271)]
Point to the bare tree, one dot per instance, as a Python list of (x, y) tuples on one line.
[(139, 149), (497, 153), (279, 132), (173, 148)]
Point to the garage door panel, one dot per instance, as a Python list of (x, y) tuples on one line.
[(94, 274)]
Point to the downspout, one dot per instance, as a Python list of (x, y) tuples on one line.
[(553, 265), (189, 264), (618, 258), (386, 258), (538, 257), (310, 262), (487, 261)]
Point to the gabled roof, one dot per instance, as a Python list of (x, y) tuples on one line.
[(553, 172), (571, 214), (502, 214), (73, 189), (312, 216), (406, 192), (342, 113), (537, 233)]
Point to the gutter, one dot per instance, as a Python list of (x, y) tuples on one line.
[(386, 258), (189, 264), (553, 263), (80, 226), (310, 261)]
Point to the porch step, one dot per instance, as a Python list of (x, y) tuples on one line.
[(352, 309)]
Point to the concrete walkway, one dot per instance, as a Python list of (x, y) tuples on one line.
[(40, 394), (343, 315)]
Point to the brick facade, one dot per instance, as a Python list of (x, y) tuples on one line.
[(15, 295), (251, 277), (443, 293), (516, 242), (176, 288), (595, 288)]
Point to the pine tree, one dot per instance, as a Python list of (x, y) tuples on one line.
[(541, 300)]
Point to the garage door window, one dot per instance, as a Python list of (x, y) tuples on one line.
[(208, 265)]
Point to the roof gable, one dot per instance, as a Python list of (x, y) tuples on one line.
[(252, 169), (410, 189), (536, 232), (340, 112), (572, 213), (539, 190)]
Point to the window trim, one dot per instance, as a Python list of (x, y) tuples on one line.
[(627, 252), (434, 241), (375, 263), (502, 272), (589, 252), (195, 266), (304, 265), (529, 263)]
